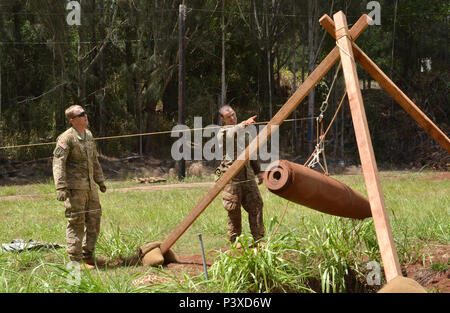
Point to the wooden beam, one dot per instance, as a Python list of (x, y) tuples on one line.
[(366, 154), (262, 137), (395, 92)]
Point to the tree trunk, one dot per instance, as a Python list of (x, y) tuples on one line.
[(269, 70), (81, 77), (223, 97), (19, 62), (131, 108), (311, 56), (1, 128), (342, 132), (101, 74), (294, 115), (302, 109), (60, 116)]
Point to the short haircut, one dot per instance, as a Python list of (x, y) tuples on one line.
[(69, 111), (224, 108)]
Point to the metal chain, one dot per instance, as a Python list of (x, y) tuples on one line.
[(324, 105)]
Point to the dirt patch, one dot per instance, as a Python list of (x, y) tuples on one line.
[(146, 188), (432, 272), (189, 264), (440, 176), (168, 186)]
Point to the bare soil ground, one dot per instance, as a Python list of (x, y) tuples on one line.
[(433, 271)]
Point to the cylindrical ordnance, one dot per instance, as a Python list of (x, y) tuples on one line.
[(307, 187)]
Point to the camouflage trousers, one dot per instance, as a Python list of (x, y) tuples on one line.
[(83, 213), (246, 194)]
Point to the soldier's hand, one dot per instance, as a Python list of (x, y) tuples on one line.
[(251, 120), (260, 176), (62, 194), (102, 187)]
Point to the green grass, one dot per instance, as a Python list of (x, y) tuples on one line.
[(311, 251)]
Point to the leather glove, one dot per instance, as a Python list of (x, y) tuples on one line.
[(102, 187), (62, 194)]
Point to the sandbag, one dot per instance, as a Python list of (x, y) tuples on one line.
[(402, 284), (145, 248), (170, 257), (153, 258), (150, 255)]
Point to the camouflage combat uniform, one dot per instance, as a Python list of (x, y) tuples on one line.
[(242, 189), (76, 168)]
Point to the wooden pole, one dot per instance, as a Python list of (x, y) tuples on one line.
[(392, 89), (262, 137), (181, 81), (366, 154)]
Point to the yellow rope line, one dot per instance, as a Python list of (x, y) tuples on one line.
[(136, 135)]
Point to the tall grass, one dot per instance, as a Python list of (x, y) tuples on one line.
[(265, 268), (332, 255)]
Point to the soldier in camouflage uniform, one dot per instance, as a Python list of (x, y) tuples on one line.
[(242, 190), (76, 170)]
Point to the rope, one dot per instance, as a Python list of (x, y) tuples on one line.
[(345, 51), (136, 135)]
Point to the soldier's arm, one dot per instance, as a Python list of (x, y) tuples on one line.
[(256, 166), (60, 155), (98, 172), (255, 163), (231, 130)]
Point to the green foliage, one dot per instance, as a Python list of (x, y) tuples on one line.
[(44, 70), (259, 269)]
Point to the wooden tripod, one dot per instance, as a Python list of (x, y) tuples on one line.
[(344, 49)]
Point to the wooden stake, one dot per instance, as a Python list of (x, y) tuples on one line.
[(395, 92), (262, 137), (366, 154)]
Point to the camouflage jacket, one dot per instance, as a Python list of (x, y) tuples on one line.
[(75, 162), (238, 138)]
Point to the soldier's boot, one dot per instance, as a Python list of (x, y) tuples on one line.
[(87, 266), (259, 244), (90, 260), (235, 243), (234, 226)]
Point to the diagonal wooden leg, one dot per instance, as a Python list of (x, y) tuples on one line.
[(395, 92), (264, 135), (366, 154)]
